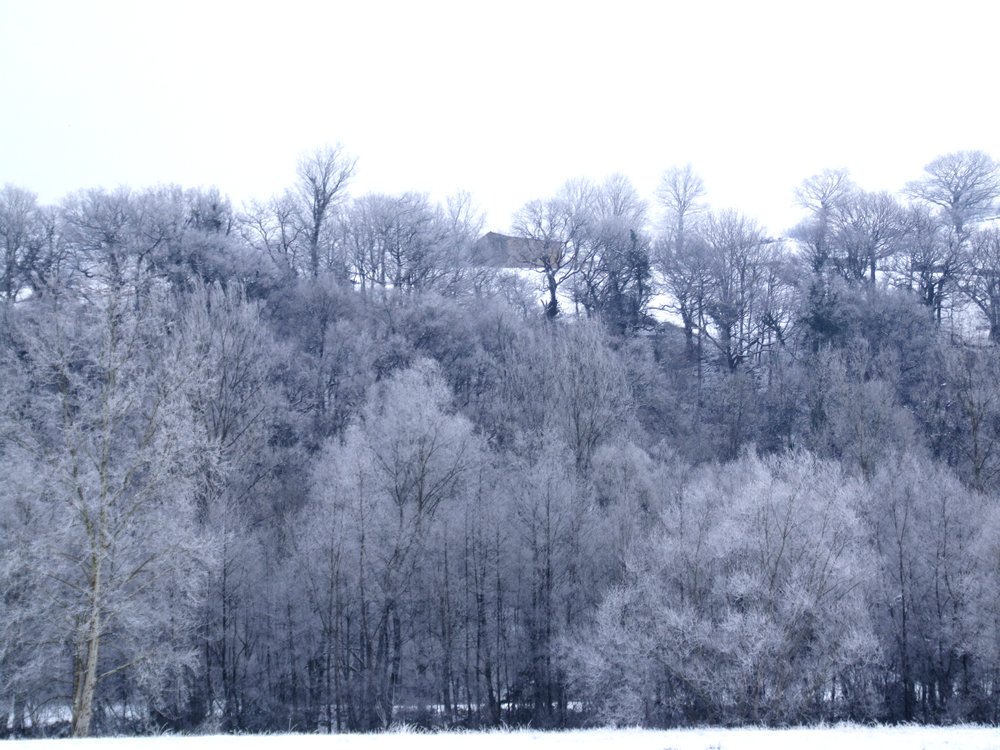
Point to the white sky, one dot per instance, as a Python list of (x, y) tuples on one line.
[(505, 99)]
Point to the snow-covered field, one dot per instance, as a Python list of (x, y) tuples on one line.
[(818, 738)]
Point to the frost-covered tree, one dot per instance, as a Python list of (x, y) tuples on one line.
[(379, 491), (924, 527), (323, 177), (234, 399), (743, 301), (744, 602), (615, 278), (98, 439), (680, 257), (21, 239), (963, 185), (980, 281), (404, 243), (556, 230)]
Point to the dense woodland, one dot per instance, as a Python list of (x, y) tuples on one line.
[(307, 464)]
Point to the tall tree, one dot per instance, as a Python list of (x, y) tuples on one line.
[(681, 192), (823, 195), (556, 230), (680, 260), (274, 230), (407, 457), (19, 220), (615, 279), (980, 281), (119, 563), (929, 261), (960, 188), (923, 526), (869, 227), (742, 303), (403, 243), (323, 176), (235, 402), (964, 185)]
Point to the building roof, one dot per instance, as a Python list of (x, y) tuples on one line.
[(504, 251)]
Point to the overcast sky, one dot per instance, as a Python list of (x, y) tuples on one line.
[(503, 99)]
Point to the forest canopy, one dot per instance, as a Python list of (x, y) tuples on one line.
[(335, 462)]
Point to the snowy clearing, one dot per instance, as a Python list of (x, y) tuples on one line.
[(816, 738)]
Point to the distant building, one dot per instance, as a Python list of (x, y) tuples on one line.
[(503, 251)]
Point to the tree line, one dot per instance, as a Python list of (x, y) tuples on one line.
[(310, 465)]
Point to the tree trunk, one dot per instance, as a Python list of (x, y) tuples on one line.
[(85, 678), (552, 306)]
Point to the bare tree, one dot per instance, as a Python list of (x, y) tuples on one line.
[(980, 281), (557, 230), (922, 524), (18, 229), (681, 261), (972, 414), (551, 519), (963, 184), (742, 301), (615, 277), (119, 563), (869, 228), (401, 242), (959, 189), (323, 176), (929, 259), (385, 483), (273, 229), (823, 195), (680, 193)]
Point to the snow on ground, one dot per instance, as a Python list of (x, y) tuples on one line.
[(816, 738)]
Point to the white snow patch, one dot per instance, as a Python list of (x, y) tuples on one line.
[(815, 738)]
